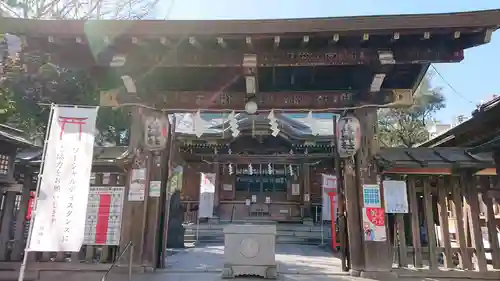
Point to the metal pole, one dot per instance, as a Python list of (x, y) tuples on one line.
[(22, 269), (197, 229), (130, 259), (322, 230)]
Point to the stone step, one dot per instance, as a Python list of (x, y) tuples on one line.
[(13, 275)]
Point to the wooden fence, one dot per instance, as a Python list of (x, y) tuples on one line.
[(15, 219), (450, 218)]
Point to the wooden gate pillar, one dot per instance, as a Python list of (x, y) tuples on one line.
[(377, 254)]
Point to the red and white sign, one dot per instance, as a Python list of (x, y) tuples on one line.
[(104, 215), (329, 183), (61, 205), (329, 193)]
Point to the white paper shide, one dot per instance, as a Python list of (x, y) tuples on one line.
[(207, 195), (59, 224)]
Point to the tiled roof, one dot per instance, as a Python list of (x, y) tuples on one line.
[(14, 136), (101, 154), (438, 157)]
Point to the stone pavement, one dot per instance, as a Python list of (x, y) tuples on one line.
[(291, 259)]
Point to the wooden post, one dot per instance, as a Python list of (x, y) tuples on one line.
[(377, 253), (415, 224), (355, 232), (429, 220), (340, 200), (6, 226), (163, 217), (218, 185), (443, 190), (456, 204), (401, 234), (19, 241), (471, 196), (307, 190), (491, 224)]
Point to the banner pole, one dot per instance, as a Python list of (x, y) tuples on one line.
[(22, 269)]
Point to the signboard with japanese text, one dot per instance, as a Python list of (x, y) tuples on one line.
[(374, 224), (371, 196), (59, 225), (348, 136), (137, 186), (395, 197), (329, 185), (154, 188), (207, 195), (104, 215)]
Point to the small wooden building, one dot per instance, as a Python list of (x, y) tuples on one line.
[(11, 141)]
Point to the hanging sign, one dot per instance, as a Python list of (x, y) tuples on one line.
[(207, 195), (371, 196), (154, 188), (155, 131), (137, 185), (329, 189), (59, 223), (374, 224), (104, 215), (348, 136), (395, 197)]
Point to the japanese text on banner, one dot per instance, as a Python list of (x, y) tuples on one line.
[(64, 186)]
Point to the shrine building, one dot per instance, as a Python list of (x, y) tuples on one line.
[(254, 103)]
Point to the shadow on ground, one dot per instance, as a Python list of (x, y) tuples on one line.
[(291, 259)]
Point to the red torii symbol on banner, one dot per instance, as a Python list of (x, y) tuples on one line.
[(80, 121)]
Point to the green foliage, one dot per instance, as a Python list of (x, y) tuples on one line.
[(25, 99), (407, 127)]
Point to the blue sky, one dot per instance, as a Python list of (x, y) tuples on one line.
[(474, 79)]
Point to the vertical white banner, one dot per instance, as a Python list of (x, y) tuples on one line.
[(59, 222), (329, 184), (207, 195)]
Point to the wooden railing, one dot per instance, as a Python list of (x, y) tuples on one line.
[(428, 237), (190, 211), (15, 219)]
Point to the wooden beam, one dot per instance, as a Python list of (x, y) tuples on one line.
[(188, 100), (487, 35), (305, 41), (331, 55), (415, 223), (221, 42), (456, 205), (429, 219), (248, 41), (276, 41), (443, 190), (471, 196), (335, 39), (491, 223), (194, 42)]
